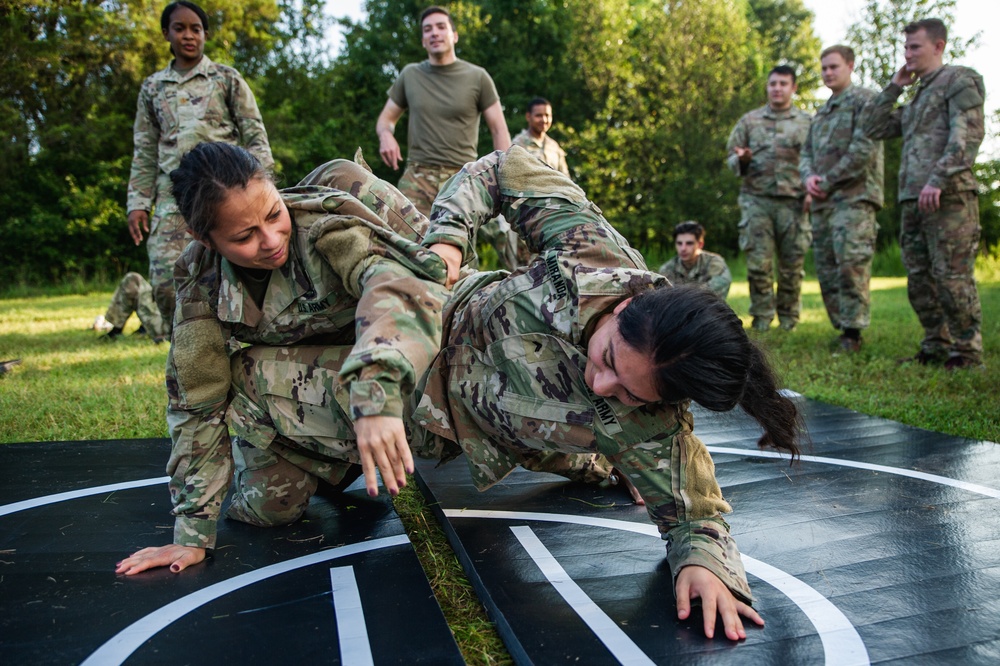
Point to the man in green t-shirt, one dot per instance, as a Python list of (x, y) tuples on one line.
[(445, 96)]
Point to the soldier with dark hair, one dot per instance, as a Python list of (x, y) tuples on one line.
[(535, 137), (764, 151), (304, 318), (693, 264), (587, 351), (942, 127), (191, 101), (842, 171), (445, 96)]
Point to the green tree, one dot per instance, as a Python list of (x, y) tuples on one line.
[(69, 78), (784, 31)]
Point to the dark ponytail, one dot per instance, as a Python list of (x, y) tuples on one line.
[(702, 353), (206, 174)]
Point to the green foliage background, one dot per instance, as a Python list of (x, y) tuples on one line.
[(645, 94)]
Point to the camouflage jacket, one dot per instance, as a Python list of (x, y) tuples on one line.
[(547, 150), (838, 149), (351, 278), (510, 376), (775, 139), (176, 112), (709, 269), (942, 127)]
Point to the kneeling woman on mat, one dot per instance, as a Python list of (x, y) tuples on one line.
[(587, 351), (304, 316)]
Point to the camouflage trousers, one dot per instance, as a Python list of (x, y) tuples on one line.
[(843, 248), (939, 252), (293, 434), (774, 227), (167, 239), (420, 183), (134, 294)]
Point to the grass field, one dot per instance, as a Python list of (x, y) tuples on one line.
[(70, 386)]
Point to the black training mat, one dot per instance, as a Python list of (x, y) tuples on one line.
[(342, 586), (882, 546)]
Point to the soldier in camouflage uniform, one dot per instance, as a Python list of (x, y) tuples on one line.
[(545, 362), (134, 294), (536, 140), (842, 170), (942, 127), (192, 100), (764, 151), (304, 318), (693, 265)]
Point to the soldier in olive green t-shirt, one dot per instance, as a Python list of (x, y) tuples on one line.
[(445, 96)]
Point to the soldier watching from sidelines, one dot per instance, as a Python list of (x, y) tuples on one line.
[(192, 100), (843, 171), (693, 265), (764, 151), (133, 294), (296, 330), (535, 139), (587, 350), (942, 127), (445, 96)]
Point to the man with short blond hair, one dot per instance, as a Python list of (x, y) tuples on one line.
[(842, 171), (942, 127)]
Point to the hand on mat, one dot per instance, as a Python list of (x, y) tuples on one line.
[(694, 582), (178, 558), (382, 443), (452, 259)]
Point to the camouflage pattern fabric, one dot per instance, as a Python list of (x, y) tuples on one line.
[(167, 239), (774, 227), (939, 252), (771, 205), (776, 139), (133, 294), (838, 150), (843, 224), (508, 385), (356, 284), (547, 150), (175, 112), (709, 269), (843, 248), (420, 183), (942, 128)]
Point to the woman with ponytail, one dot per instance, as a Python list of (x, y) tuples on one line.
[(587, 351)]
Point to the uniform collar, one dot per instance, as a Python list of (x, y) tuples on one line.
[(287, 284), (201, 69)]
